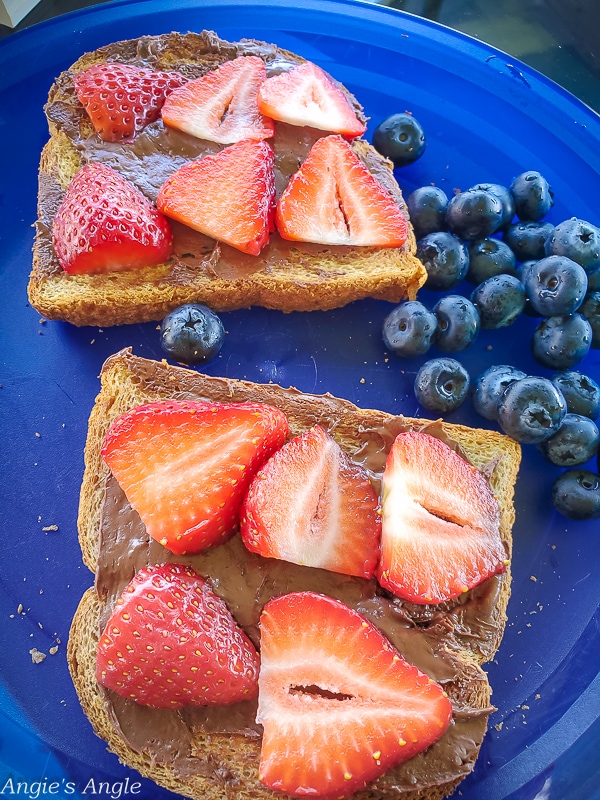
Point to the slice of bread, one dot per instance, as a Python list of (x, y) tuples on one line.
[(209, 754), (290, 276)]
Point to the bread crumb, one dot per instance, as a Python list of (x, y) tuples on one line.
[(362, 380), (525, 708), (499, 726), (36, 655), (92, 342), (39, 435), (533, 578), (53, 650), (538, 697), (20, 608), (50, 528)]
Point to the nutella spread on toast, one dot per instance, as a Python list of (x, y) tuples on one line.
[(158, 151), (425, 635)]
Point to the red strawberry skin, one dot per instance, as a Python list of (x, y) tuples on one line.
[(311, 505), (172, 642), (306, 95), (440, 531), (121, 99), (334, 199), (338, 703), (229, 195), (105, 224), (222, 106), (185, 466)]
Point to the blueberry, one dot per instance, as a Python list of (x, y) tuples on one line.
[(561, 342), (441, 385), (427, 210), (192, 334), (499, 300), (531, 410), (555, 285), (594, 280), (489, 257), (578, 240), (532, 195), (474, 214), (400, 138), (575, 442), (527, 240), (590, 309), (445, 258), (491, 385), (505, 197), (457, 323), (576, 494), (581, 393), (408, 329)]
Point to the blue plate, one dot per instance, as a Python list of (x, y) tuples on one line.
[(487, 118)]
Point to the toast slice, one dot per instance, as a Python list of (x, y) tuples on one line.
[(213, 753), (289, 276)]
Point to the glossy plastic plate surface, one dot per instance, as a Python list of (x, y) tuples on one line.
[(487, 118)]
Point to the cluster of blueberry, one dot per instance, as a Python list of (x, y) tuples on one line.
[(524, 266)]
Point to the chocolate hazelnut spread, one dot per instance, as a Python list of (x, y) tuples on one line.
[(427, 636), (158, 151)]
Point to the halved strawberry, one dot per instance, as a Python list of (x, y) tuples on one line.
[(311, 504), (229, 195), (105, 224), (121, 99), (222, 106), (339, 704), (440, 533), (306, 95), (334, 199), (185, 466), (172, 642)]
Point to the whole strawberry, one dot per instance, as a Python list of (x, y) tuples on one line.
[(105, 224), (122, 99), (172, 642)]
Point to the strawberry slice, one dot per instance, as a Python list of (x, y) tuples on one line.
[(229, 195), (185, 466), (339, 704), (105, 224), (311, 504), (172, 642), (222, 106), (306, 95), (122, 99), (334, 199), (440, 533)]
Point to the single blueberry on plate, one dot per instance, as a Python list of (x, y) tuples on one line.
[(192, 334), (576, 239), (531, 410), (457, 323), (532, 195), (474, 214), (527, 240), (576, 494), (590, 309), (555, 285), (499, 300), (575, 442), (491, 385), (408, 329), (581, 393), (561, 342), (441, 385), (505, 197), (445, 258), (489, 257), (400, 138), (427, 210)]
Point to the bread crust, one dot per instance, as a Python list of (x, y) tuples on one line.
[(126, 381), (286, 276)]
